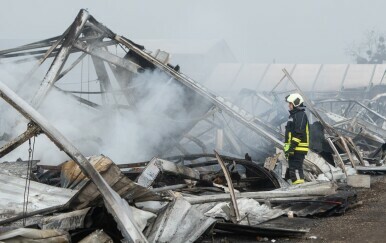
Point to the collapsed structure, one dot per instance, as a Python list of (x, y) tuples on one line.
[(186, 193)]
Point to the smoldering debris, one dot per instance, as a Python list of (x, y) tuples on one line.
[(151, 155)]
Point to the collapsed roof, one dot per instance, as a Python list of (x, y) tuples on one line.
[(180, 128)]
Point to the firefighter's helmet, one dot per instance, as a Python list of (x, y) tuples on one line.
[(296, 99)]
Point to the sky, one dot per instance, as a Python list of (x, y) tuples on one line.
[(284, 31)]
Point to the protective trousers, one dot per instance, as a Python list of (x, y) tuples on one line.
[(295, 163)]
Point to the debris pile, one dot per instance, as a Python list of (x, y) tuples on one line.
[(203, 181)]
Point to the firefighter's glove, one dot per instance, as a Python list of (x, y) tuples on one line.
[(286, 147), (288, 150)]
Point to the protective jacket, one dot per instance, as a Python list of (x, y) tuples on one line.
[(296, 131)]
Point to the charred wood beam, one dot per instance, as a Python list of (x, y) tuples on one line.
[(114, 203), (32, 130), (61, 57)]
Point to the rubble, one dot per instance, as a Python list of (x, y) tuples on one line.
[(181, 194)]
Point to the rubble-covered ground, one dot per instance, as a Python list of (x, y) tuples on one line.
[(364, 223)]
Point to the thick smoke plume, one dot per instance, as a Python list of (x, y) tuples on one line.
[(125, 135)]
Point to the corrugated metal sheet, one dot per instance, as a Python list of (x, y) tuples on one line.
[(179, 222), (41, 196)]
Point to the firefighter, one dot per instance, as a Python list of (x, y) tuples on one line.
[(296, 137)]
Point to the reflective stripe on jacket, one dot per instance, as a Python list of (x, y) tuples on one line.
[(297, 132)]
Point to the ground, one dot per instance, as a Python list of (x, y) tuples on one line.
[(364, 223)]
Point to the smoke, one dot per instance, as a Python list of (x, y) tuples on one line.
[(125, 135)]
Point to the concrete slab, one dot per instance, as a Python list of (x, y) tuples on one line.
[(359, 181)]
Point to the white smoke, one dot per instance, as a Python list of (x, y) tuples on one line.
[(123, 135)]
